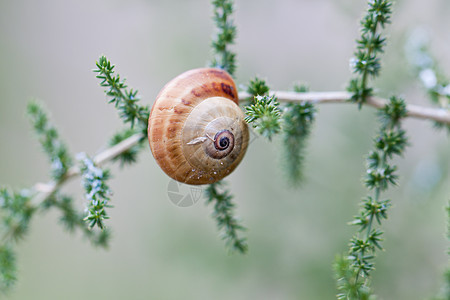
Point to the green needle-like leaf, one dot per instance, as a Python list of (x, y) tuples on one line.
[(52, 145), (223, 214), (124, 99), (264, 115)]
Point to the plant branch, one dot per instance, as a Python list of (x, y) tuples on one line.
[(44, 190), (414, 111), (440, 115)]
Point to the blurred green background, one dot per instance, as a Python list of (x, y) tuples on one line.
[(160, 251)]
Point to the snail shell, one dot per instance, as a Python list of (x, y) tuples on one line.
[(196, 129)]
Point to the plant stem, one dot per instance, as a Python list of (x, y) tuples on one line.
[(414, 111), (44, 190)]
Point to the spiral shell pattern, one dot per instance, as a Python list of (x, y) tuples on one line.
[(196, 129)]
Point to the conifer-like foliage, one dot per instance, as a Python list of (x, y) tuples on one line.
[(285, 120), (7, 267), (124, 99), (72, 220), (292, 120), (226, 221), (130, 155), (97, 191), (55, 149), (297, 124), (366, 62), (18, 208), (353, 270), (258, 87), (264, 115), (223, 57), (16, 216)]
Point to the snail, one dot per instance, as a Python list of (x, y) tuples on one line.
[(196, 130)]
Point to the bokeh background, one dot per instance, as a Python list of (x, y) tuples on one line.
[(48, 49)]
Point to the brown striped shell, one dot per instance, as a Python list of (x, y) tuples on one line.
[(196, 129)]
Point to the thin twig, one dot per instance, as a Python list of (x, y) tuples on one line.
[(44, 190), (415, 111)]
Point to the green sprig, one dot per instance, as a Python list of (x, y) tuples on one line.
[(301, 88), (223, 214), (97, 191), (126, 100), (390, 141), (258, 87), (365, 62), (297, 122), (17, 212), (223, 57), (17, 209), (349, 288), (264, 115), (393, 113), (8, 268), (129, 156), (72, 220), (52, 145)]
